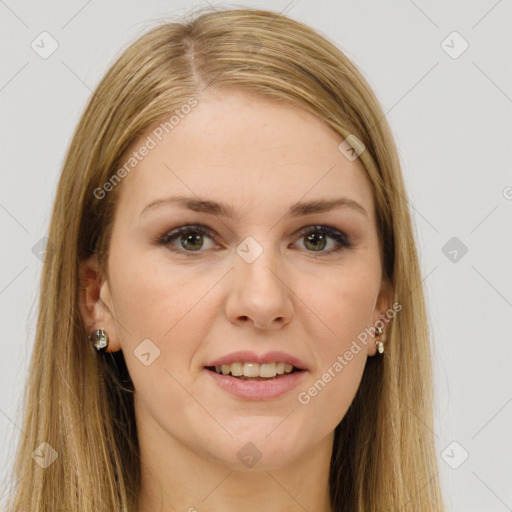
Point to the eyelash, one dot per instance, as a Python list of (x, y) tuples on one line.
[(165, 239)]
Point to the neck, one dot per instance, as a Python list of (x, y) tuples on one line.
[(175, 478)]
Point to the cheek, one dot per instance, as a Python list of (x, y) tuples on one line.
[(344, 304), (343, 301), (331, 390), (155, 297), (169, 305)]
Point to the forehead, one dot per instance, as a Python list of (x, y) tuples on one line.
[(244, 150)]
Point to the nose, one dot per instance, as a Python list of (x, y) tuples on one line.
[(259, 293)]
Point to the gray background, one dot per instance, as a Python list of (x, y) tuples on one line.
[(451, 116)]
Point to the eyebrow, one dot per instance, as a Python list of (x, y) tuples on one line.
[(223, 210)]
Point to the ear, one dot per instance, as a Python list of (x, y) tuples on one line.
[(382, 304), (95, 303)]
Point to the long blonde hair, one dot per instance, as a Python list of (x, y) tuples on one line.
[(81, 402)]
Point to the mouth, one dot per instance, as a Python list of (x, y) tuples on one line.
[(254, 371), (255, 381)]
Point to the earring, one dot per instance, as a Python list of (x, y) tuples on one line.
[(379, 343), (100, 339)]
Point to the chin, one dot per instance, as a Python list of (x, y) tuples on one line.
[(258, 454)]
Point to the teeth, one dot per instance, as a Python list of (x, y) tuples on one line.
[(268, 370), (248, 369), (251, 370), (237, 369)]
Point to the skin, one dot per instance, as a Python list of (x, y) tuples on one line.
[(259, 158)]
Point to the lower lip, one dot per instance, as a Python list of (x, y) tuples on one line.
[(257, 390)]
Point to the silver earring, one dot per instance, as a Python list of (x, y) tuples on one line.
[(100, 339), (379, 343)]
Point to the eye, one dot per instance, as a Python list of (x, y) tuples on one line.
[(186, 239), (190, 239), (316, 239)]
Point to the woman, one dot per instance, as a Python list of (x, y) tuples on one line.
[(233, 314)]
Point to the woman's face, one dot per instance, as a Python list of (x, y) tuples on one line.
[(260, 278)]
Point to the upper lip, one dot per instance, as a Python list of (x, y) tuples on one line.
[(249, 356)]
